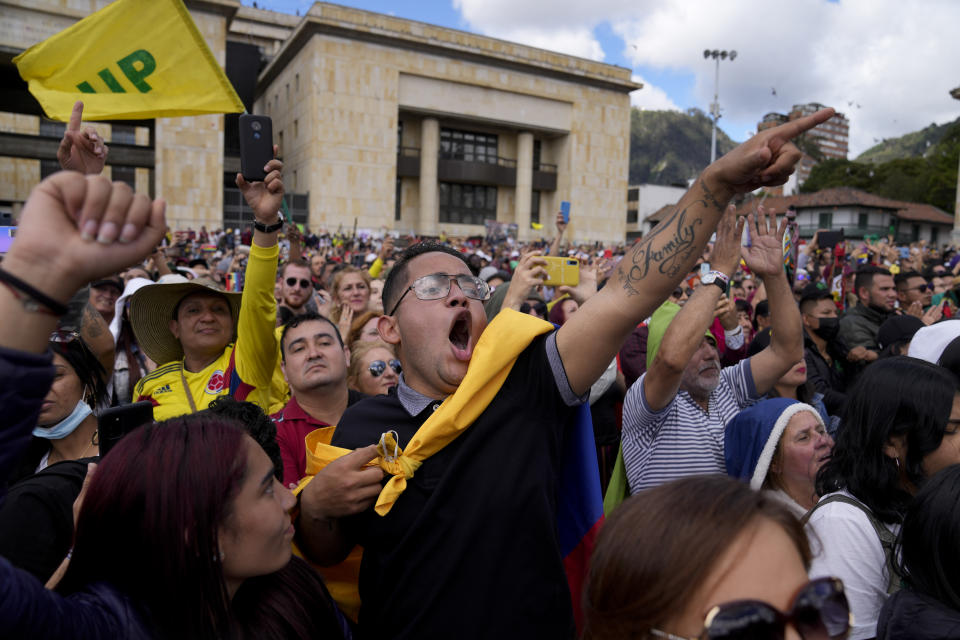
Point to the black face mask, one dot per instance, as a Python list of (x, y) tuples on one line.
[(828, 329)]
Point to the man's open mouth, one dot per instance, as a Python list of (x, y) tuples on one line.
[(460, 332)]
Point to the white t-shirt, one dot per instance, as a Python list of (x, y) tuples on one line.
[(845, 545)]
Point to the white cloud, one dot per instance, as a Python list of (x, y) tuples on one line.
[(895, 59), (651, 98)]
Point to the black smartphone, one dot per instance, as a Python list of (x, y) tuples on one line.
[(830, 239), (256, 146), (116, 422)]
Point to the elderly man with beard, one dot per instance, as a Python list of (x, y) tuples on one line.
[(675, 414)]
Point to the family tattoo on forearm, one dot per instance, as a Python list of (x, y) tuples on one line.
[(677, 240)]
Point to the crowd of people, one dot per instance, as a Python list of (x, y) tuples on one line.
[(359, 436)]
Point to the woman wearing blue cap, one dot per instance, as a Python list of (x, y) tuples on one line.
[(778, 445)]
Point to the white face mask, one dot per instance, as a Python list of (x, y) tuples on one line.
[(66, 426)]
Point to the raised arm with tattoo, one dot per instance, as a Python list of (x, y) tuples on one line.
[(654, 266), (685, 335)]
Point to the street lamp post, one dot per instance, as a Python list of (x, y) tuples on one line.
[(715, 107)]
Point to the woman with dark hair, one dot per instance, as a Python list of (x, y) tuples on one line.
[(928, 608), (67, 427), (707, 557), (899, 429), (177, 519)]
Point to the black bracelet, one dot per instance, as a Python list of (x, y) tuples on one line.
[(42, 299)]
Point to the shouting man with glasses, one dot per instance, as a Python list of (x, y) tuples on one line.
[(471, 544)]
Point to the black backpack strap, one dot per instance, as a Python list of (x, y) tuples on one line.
[(887, 537)]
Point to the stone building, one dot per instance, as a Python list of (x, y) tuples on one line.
[(383, 124)]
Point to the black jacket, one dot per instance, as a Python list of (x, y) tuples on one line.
[(830, 380), (908, 615), (36, 519)]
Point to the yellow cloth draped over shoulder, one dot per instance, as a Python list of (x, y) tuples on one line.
[(501, 343)]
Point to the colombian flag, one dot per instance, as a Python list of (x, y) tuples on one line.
[(579, 504)]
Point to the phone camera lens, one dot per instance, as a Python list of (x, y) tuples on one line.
[(255, 125), (256, 135)]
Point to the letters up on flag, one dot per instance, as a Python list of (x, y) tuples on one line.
[(131, 60)]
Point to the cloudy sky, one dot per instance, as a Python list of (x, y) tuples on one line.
[(888, 65)]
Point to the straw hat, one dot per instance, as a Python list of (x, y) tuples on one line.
[(151, 310)]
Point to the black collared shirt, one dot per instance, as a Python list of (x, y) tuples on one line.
[(470, 549)]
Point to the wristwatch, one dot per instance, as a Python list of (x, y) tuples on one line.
[(259, 226), (718, 278)]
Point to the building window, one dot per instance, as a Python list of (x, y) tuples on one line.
[(288, 92), (535, 206), (826, 220), (631, 216), (51, 129), (296, 82), (398, 202), (468, 146), (296, 128), (294, 178), (280, 143), (124, 174), (536, 155), (48, 168), (123, 134), (633, 194), (467, 203), (862, 220)]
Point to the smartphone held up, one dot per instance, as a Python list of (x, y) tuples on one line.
[(256, 146)]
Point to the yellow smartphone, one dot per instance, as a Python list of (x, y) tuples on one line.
[(562, 271)]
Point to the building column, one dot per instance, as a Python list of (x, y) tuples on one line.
[(429, 149), (524, 192)]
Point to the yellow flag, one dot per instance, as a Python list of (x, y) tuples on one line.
[(133, 59), (536, 225)]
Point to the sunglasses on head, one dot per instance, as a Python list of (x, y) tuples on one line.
[(304, 283), (437, 285), (820, 612), (377, 367)]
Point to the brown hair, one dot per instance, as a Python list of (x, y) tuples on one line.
[(340, 275), (656, 549), (357, 327), (293, 263)]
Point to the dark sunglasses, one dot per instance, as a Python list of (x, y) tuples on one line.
[(437, 285), (820, 612), (539, 308), (377, 367), (679, 291), (921, 288), (304, 283)]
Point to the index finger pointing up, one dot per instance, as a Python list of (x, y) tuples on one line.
[(76, 116), (795, 127)]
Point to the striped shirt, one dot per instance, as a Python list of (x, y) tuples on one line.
[(681, 439)]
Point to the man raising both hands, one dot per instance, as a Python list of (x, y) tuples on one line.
[(675, 414), (472, 543)]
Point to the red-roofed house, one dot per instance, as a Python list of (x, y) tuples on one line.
[(861, 214)]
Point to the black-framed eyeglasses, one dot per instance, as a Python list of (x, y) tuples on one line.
[(377, 367), (437, 285), (304, 283), (820, 611)]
